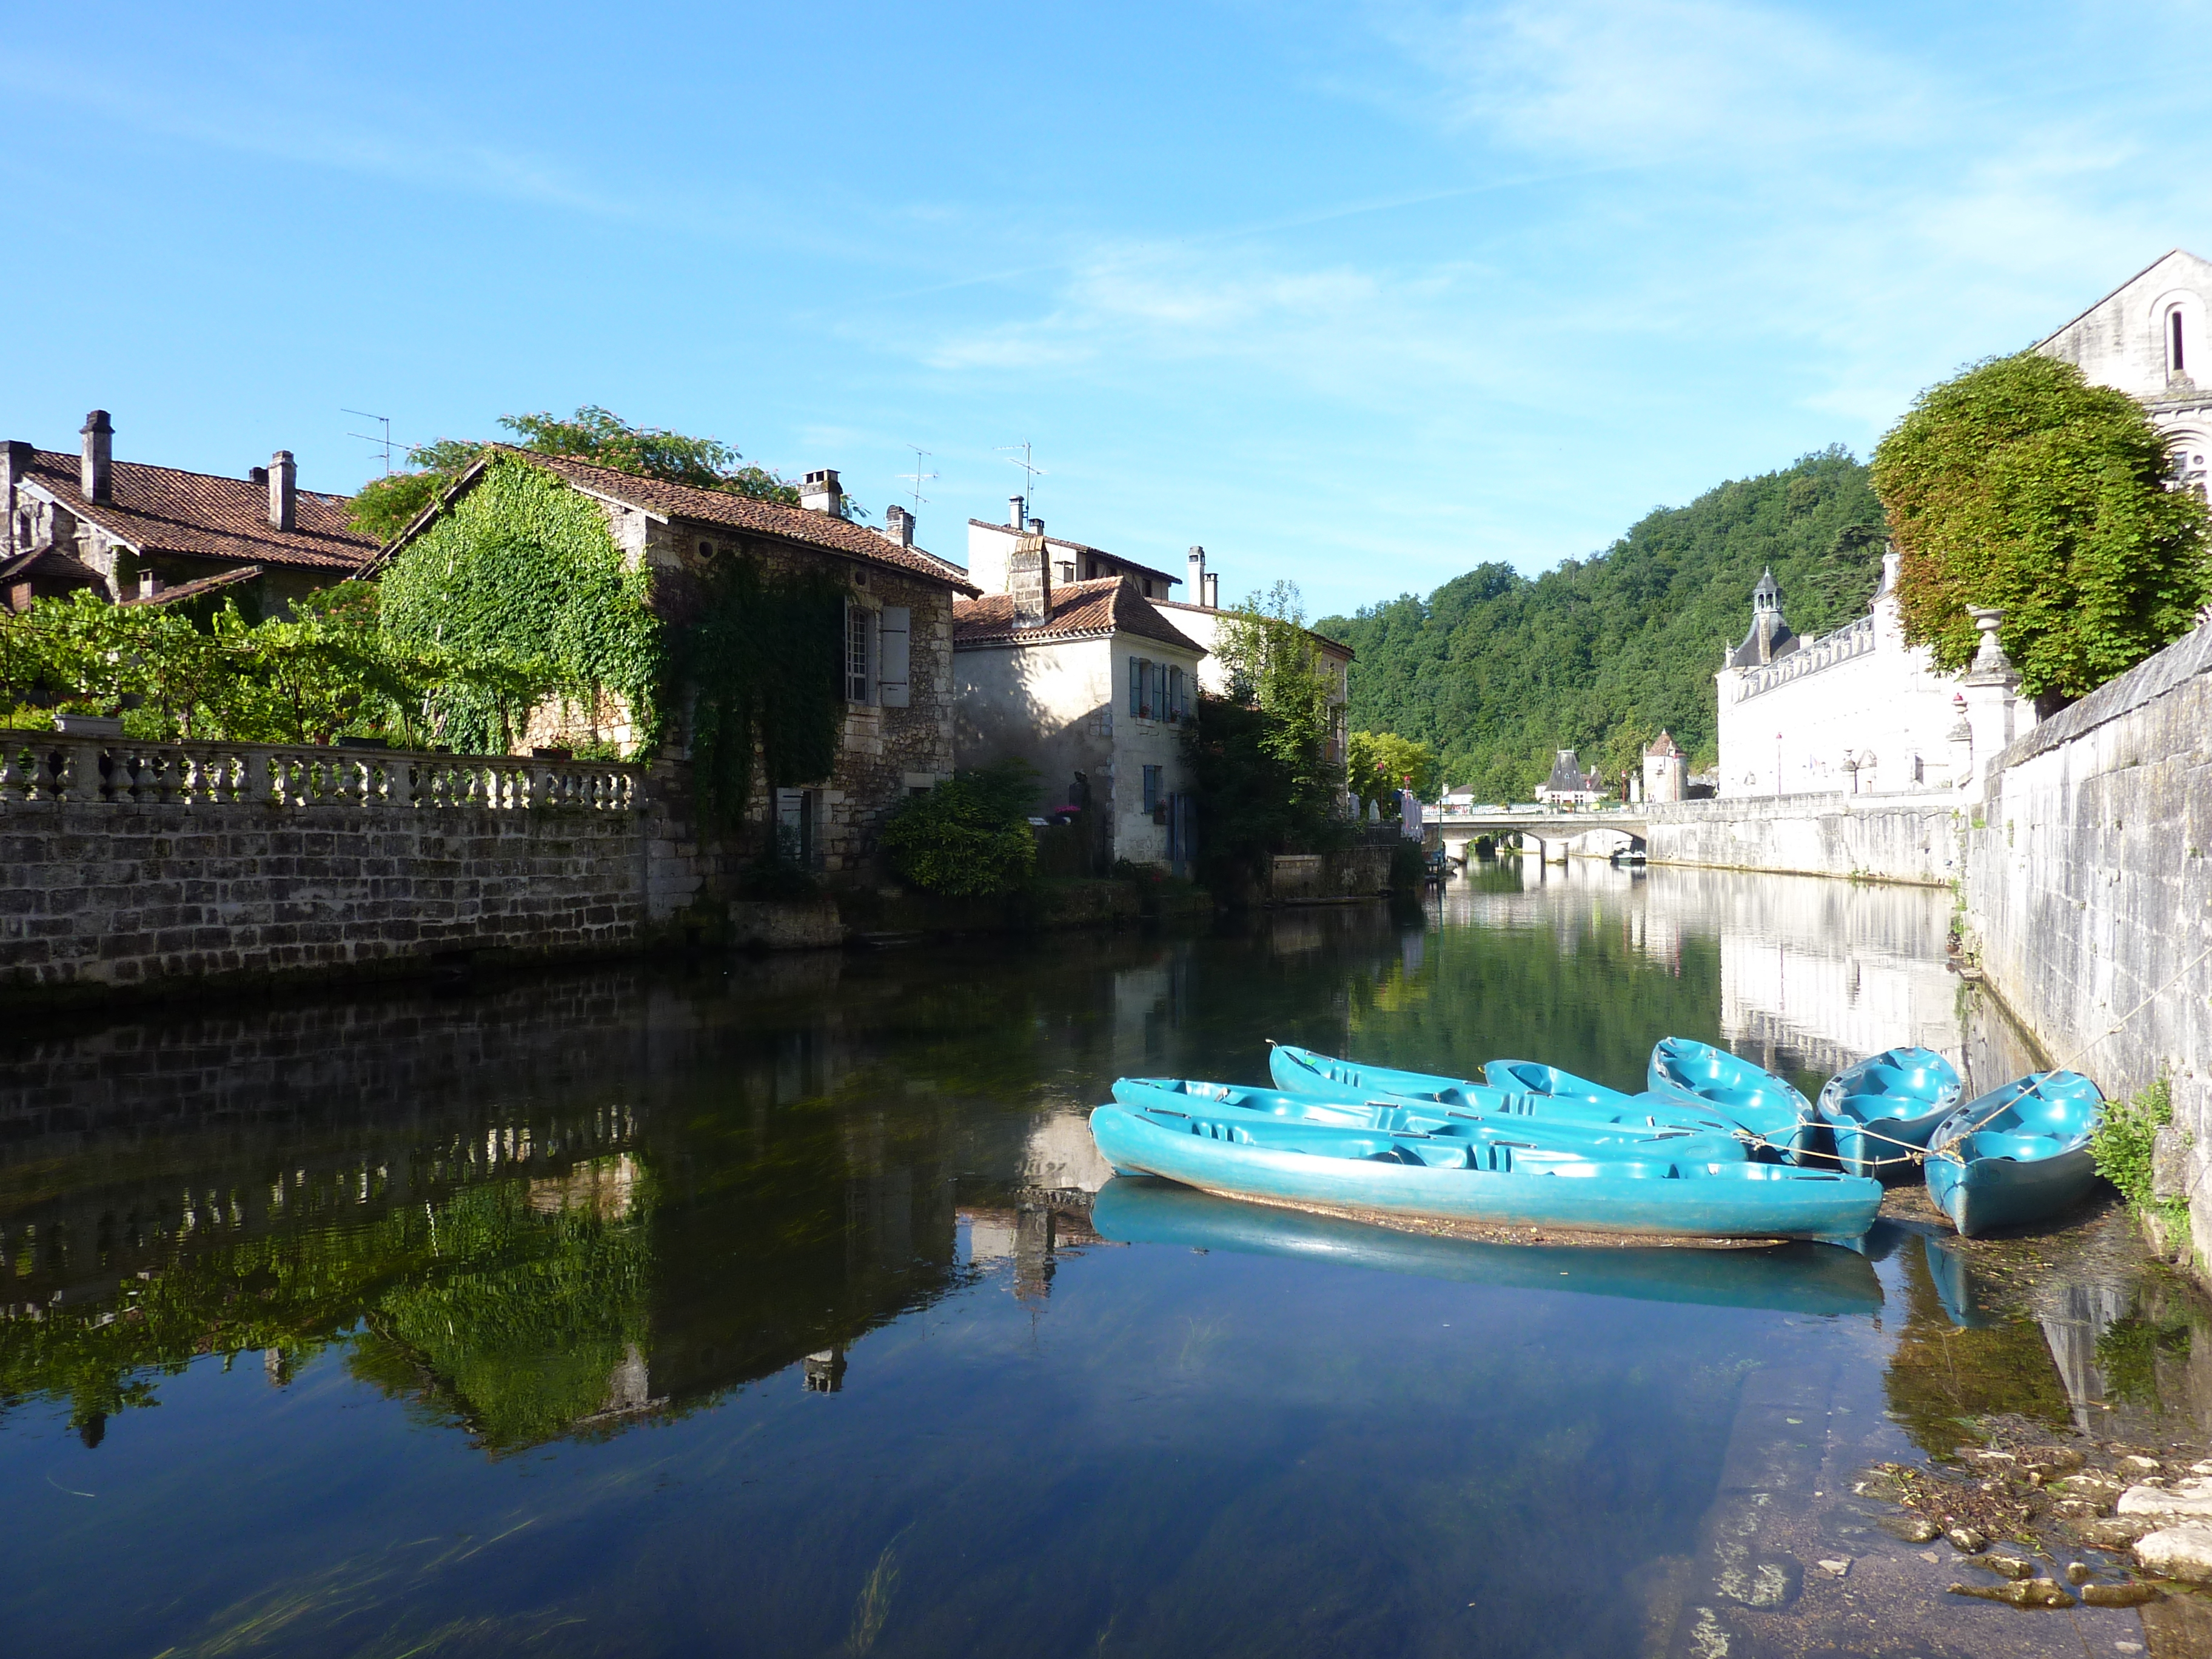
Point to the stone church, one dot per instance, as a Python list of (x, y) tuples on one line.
[(1858, 711)]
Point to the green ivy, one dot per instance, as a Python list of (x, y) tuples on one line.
[(762, 665), (2122, 1147), (522, 570)]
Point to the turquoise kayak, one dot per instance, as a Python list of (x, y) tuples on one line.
[(1881, 1108), (1749, 1095), (1447, 1176), (1538, 1083), (2018, 1155), (1302, 1072), (1619, 1137), (1808, 1279)]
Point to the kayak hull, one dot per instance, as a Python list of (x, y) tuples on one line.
[(1881, 1108), (1800, 1279), (1652, 1198), (2018, 1155), (1750, 1095)]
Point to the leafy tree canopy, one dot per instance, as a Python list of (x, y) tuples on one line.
[(1380, 764), (2017, 484), (1496, 672), (384, 507)]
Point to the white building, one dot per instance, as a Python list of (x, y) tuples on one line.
[(1087, 682), (1666, 770), (1858, 711), (1570, 786), (2148, 338), (1201, 618)]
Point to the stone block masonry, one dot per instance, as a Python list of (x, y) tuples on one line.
[(1903, 838), (2088, 887), (141, 868)]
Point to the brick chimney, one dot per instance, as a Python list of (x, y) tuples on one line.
[(284, 496), (819, 493), (898, 526), (1197, 587), (1028, 580), (95, 480)]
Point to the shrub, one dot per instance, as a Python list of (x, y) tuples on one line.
[(970, 837)]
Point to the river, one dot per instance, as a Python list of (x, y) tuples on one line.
[(764, 1308)]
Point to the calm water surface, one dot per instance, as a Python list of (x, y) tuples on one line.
[(766, 1310)]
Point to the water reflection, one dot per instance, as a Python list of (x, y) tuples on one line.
[(790, 1308)]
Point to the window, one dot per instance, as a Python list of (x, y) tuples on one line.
[(2173, 341), (1148, 588), (1065, 571), (1141, 688), (1151, 789), (857, 629), (798, 819)]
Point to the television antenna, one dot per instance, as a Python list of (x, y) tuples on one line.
[(1031, 475), (918, 477), (383, 442)]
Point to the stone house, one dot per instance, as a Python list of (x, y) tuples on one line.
[(892, 658), (1666, 771), (1090, 683), (131, 532), (2149, 338)]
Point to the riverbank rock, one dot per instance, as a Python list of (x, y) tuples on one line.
[(2030, 1593), (2005, 1566), (2182, 1552), (2113, 1532), (2191, 1500), (2120, 1595), (1912, 1528), (1966, 1539)]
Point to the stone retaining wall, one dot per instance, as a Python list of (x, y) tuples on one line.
[(141, 866), (2088, 885), (1907, 838)]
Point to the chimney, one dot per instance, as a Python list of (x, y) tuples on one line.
[(898, 526), (1015, 504), (1028, 580), (282, 497), (1197, 589), (820, 492), (93, 481), (148, 584), (18, 464), (1213, 590), (1037, 527)]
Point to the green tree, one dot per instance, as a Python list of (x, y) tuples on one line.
[(1495, 669), (384, 507), (2017, 484), (1275, 667), (969, 835), (1379, 763)]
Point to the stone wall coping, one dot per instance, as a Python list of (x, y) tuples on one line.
[(1822, 804), (48, 767), (2150, 679)]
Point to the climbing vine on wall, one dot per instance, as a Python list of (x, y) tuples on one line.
[(762, 665), (522, 570)]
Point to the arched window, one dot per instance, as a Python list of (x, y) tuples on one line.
[(2173, 360)]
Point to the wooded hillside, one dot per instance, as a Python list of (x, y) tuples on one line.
[(1497, 671)]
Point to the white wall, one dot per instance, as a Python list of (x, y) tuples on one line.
[(1858, 692)]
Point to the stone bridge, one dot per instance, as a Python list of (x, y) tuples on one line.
[(1551, 833)]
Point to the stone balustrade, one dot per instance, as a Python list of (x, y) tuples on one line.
[(45, 767)]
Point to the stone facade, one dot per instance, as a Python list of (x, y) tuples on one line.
[(2149, 338), (133, 865), (894, 656), (2089, 888), (1890, 838), (1858, 711)]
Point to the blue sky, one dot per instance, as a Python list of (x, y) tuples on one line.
[(1358, 295)]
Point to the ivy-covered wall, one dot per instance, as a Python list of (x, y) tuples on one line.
[(524, 569)]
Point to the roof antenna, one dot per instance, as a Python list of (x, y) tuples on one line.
[(384, 442), (918, 477), (1033, 473)]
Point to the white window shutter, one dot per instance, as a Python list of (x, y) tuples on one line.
[(893, 627)]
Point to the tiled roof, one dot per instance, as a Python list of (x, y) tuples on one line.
[(182, 591), (159, 509), (1092, 609), (715, 507), (51, 562), (1125, 563)]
